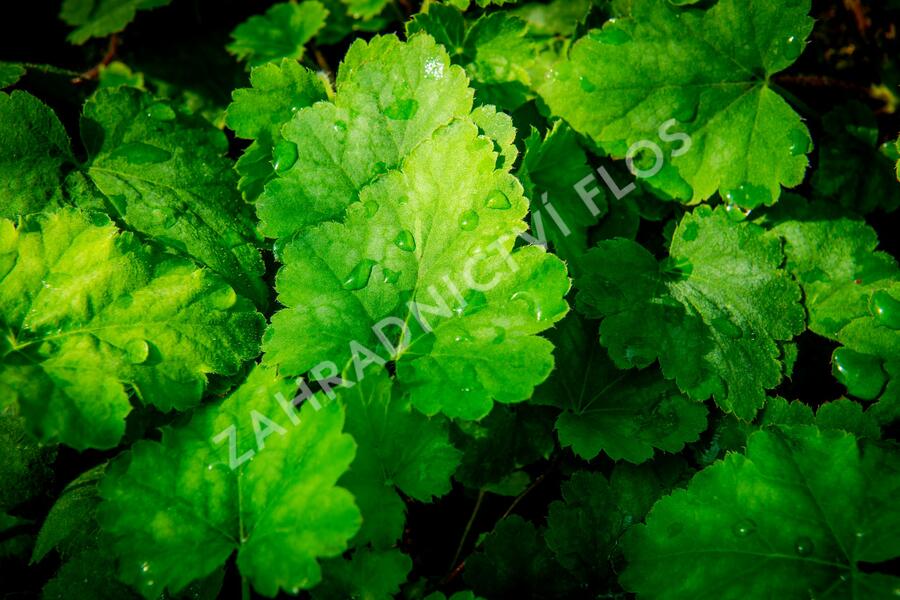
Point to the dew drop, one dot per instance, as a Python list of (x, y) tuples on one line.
[(726, 327), (803, 546), (284, 156), (744, 528), (379, 168), (800, 142), (223, 298), (748, 195), (137, 351), (161, 112), (792, 47), (886, 309), (139, 153), (402, 200), (861, 374), (340, 125), (498, 200), (534, 307), (371, 207), (475, 301), (391, 276), (402, 109), (359, 276), (405, 241), (468, 220), (145, 567), (499, 335), (610, 34), (586, 84), (736, 213)]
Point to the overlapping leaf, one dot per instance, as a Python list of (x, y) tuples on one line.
[(87, 314), (775, 523), (99, 18), (708, 69), (34, 149), (258, 113), (626, 414), (282, 32), (280, 509), (399, 449), (422, 263), (714, 314)]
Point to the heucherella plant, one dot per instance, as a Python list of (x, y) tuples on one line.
[(548, 299)]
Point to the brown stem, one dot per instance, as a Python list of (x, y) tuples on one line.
[(323, 63), (94, 71)]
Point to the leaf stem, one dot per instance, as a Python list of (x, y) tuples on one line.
[(465, 534)]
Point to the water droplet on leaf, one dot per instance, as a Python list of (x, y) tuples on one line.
[(726, 327), (748, 195), (498, 200), (534, 307), (792, 47), (861, 374), (586, 84), (340, 125), (803, 546), (736, 213), (886, 309), (744, 527), (391, 276), (371, 208), (402, 109), (800, 142), (161, 112), (405, 241), (610, 34), (137, 351), (468, 220), (434, 68), (359, 276), (223, 298), (139, 153), (284, 156)]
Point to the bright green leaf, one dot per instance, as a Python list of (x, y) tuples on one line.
[(279, 509), (87, 313)]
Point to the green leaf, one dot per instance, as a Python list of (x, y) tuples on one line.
[(399, 449), (774, 523), (852, 291), (369, 575), (494, 50), (584, 528), (852, 169), (99, 18), (842, 414), (70, 526), (258, 113), (626, 414), (514, 564), (424, 259), (280, 510), (88, 314), (282, 32), (10, 73), (497, 446), (709, 70), (390, 97), (165, 175), (551, 171), (714, 314), (34, 149), (26, 471), (558, 17)]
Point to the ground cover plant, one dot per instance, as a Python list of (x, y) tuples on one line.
[(498, 299)]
